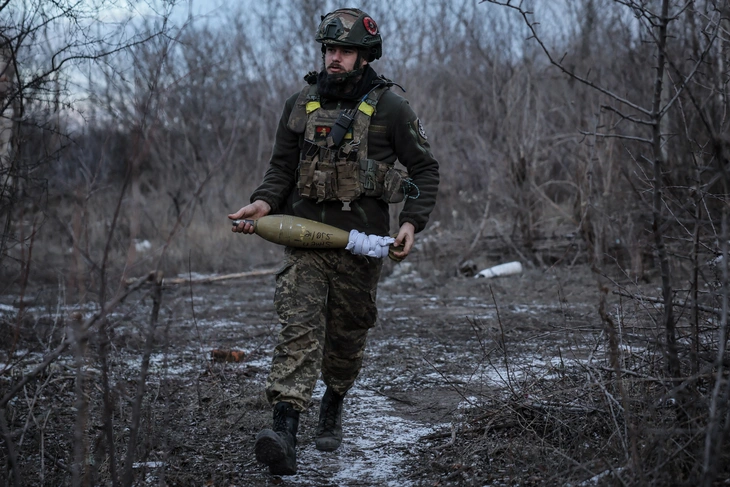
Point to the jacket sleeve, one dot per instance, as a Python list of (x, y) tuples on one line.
[(414, 152), (279, 179)]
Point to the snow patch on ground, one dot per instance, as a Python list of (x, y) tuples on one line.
[(374, 449)]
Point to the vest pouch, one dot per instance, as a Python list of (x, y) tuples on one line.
[(348, 180), (317, 180), (393, 186), (305, 181), (373, 177), (325, 182)]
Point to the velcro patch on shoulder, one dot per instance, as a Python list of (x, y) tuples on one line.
[(418, 129), (366, 108)]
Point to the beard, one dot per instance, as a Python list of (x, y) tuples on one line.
[(346, 86), (340, 83)]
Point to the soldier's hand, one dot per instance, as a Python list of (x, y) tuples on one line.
[(254, 211), (406, 237)]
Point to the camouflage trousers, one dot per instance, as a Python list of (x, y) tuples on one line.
[(326, 305)]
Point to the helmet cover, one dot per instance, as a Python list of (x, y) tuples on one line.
[(351, 27)]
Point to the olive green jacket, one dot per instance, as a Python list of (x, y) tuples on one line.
[(395, 133)]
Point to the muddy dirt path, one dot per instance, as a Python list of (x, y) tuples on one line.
[(439, 348), (442, 347)]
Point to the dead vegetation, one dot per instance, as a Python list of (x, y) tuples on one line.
[(600, 146), (577, 420)]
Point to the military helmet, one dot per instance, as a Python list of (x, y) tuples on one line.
[(350, 27)]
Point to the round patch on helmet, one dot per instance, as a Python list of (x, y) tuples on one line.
[(370, 26)]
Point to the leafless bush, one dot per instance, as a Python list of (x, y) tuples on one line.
[(598, 412), (675, 161), (612, 131)]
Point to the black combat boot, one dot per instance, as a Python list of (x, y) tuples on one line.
[(276, 448), (328, 436)]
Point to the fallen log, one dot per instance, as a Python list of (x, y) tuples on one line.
[(209, 279)]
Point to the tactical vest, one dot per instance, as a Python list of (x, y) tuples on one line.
[(329, 171)]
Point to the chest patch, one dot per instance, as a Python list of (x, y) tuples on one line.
[(321, 132)]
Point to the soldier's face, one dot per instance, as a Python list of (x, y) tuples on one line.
[(340, 60)]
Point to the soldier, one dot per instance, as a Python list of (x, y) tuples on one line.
[(333, 161)]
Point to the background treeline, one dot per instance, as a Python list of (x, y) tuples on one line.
[(592, 131), (179, 128)]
